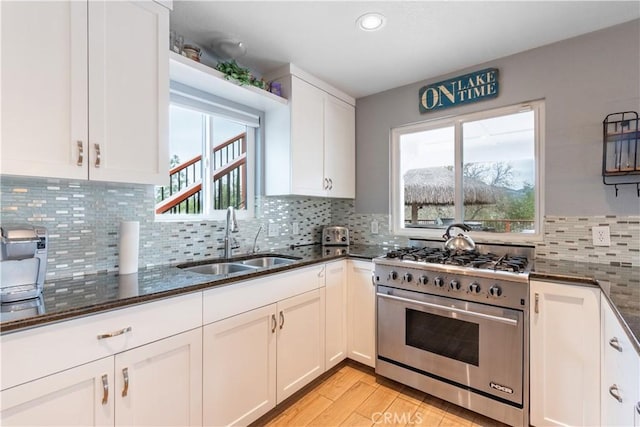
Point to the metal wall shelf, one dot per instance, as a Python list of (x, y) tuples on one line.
[(621, 150)]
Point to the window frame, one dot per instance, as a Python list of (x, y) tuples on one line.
[(205, 103), (396, 201)]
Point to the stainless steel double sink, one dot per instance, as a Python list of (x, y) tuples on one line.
[(228, 268)]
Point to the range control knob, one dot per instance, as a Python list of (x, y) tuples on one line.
[(393, 275), (408, 277), (423, 280), (474, 288), (495, 291), (438, 282), (454, 285)]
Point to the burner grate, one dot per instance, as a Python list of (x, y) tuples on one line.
[(487, 261)]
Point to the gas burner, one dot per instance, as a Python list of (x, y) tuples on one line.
[(474, 259)]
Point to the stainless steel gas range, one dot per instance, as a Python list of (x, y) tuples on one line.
[(455, 325)]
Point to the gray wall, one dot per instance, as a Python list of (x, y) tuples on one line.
[(581, 79)]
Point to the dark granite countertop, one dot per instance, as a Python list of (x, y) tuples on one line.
[(621, 285), (75, 297)]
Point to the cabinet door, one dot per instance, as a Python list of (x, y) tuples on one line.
[(620, 374), (361, 300), (161, 383), (339, 147), (43, 122), (239, 367), (307, 139), (565, 354), (300, 342), (128, 91), (335, 313), (81, 396)]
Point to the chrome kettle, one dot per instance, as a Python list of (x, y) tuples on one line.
[(459, 243)]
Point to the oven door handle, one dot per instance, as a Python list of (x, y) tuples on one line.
[(512, 322)]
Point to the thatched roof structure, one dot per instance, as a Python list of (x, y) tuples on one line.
[(435, 186)]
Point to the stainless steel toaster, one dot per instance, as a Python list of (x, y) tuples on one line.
[(334, 235), (23, 262)]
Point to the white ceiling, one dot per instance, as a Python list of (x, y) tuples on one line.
[(421, 39)]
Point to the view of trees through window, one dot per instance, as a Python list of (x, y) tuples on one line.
[(495, 183)]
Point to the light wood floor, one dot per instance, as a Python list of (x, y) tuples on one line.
[(354, 396)]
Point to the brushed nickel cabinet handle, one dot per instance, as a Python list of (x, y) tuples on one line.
[(373, 278), (97, 147), (125, 375), (326, 184), (638, 408), (105, 389), (536, 308), (615, 393), (330, 184), (281, 319), (274, 323), (115, 333), (80, 153), (613, 342)]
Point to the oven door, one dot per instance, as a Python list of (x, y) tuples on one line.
[(475, 346)]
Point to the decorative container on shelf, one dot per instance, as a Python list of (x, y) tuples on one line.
[(621, 149)]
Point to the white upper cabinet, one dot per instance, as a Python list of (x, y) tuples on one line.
[(85, 90), (310, 147)]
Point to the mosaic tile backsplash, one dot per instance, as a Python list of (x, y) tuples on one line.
[(83, 220)]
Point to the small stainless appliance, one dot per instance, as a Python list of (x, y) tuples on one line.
[(23, 262), (455, 324), (334, 235)]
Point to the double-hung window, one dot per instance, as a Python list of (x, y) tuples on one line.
[(483, 169), (212, 151)]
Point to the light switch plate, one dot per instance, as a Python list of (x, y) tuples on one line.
[(273, 230), (601, 236)]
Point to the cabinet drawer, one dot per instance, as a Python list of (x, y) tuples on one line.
[(34, 353), (226, 301)]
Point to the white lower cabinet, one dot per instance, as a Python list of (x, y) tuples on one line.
[(335, 313), (140, 365), (620, 386), (156, 384), (361, 310), (564, 354), (160, 383), (81, 396), (239, 371), (255, 360)]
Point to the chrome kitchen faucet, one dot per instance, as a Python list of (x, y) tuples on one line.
[(232, 227)]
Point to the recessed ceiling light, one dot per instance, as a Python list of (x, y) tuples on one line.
[(370, 21)]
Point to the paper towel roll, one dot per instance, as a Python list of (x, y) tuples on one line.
[(128, 245)]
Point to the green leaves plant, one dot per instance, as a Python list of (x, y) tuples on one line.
[(240, 75)]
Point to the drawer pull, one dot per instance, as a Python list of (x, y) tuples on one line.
[(613, 342), (615, 393), (80, 153), (125, 375), (281, 319), (105, 389), (97, 147), (537, 299), (274, 323), (114, 334), (638, 408)]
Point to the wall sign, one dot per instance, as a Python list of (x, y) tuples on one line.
[(472, 87)]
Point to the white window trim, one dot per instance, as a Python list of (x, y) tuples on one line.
[(396, 208)]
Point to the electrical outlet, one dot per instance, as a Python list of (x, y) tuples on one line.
[(374, 227), (295, 228), (601, 236), (273, 230)]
